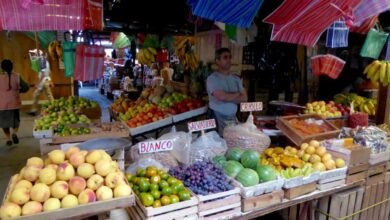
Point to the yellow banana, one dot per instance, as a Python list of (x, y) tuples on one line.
[(373, 71), (388, 71), (367, 68), (152, 50), (382, 72)]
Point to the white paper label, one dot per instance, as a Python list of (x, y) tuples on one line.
[(251, 106), (201, 125), (155, 146)]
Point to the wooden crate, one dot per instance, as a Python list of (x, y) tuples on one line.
[(222, 205), (352, 156), (340, 205), (379, 158), (298, 138), (262, 201), (81, 211), (182, 210), (376, 174), (92, 113), (300, 190), (331, 182), (356, 177), (298, 212)]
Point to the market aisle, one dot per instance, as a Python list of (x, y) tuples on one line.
[(13, 158), (92, 93)]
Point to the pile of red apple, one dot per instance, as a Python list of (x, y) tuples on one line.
[(64, 180), (186, 105)]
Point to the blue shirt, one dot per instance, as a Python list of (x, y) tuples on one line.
[(227, 83)]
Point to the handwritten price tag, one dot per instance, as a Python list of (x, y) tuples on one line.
[(251, 106), (201, 125), (155, 146)]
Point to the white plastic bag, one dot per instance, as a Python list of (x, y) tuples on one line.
[(143, 164), (246, 136), (181, 145), (207, 146)]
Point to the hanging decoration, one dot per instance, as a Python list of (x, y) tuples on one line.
[(89, 62), (39, 15), (240, 36), (120, 41), (327, 64), (303, 22), (337, 35), (234, 12), (369, 8), (365, 26), (374, 43)]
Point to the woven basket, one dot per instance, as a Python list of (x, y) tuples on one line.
[(179, 87)]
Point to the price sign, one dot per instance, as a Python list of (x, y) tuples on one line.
[(201, 125), (251, 106), (155, 146)]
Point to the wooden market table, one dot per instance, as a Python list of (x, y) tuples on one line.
[(305, 198)]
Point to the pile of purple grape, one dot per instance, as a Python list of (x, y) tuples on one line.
[(202, 177)]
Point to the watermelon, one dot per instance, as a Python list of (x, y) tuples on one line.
[(219, 160), (232, 168), (247, 177), (266, 173), (250, 159), (234, 154)]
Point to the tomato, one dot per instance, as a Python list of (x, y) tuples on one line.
[(171, 180), (174, 199), (141, 172), (184, 195), (165, 200), (143, 186), (147, 199), (167, 191), (134, 179), (164, 175), (151, 171), (177, 187), (156, 194), (155, 179), (154, 186), (128, 176), (156, 203), (163, 184)]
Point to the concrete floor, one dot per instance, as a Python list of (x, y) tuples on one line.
[(13, 158)]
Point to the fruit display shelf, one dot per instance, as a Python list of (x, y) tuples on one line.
[(98, 130), (297, 137), (189, 114), (79, 211), (261, 188), (182, 210), (149, 127)]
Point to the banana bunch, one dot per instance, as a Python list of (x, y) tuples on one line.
[(289, 173), (55, 50), (378, 71), (368, 106), (146, 56), (184, 49)]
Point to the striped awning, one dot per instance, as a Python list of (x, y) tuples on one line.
[(369, 8), (239, 13), (302, 22)]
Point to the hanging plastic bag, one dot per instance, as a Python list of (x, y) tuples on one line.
[(181, 145), (337, 35), (121, 41), (374, 43), (365, 27), (246, 136), (207, 146), (69, 57), (89, 63)]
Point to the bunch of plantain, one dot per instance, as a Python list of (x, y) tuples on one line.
[(185, 50), (378, 70), (146, 56), (289, 173)]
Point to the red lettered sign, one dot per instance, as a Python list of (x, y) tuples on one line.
[(155, 146), (251, 106), (201, 125)]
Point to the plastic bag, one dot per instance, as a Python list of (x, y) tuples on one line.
[(181, 145), (207, 146), (143, 164), (337, 35), (374, 43), (246, 136)]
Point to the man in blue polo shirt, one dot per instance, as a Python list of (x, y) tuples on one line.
[(225, 91)]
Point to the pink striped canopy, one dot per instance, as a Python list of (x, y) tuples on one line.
[(303, 22), (38, 15)]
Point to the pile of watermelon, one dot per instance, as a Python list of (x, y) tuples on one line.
[(243, 165)]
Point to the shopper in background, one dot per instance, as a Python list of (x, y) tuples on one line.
[(225, 91), (44, 85), (10, 103)]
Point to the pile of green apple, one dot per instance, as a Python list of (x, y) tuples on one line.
[(59, 118), (72, 102), (171, 100), (64, 130)]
